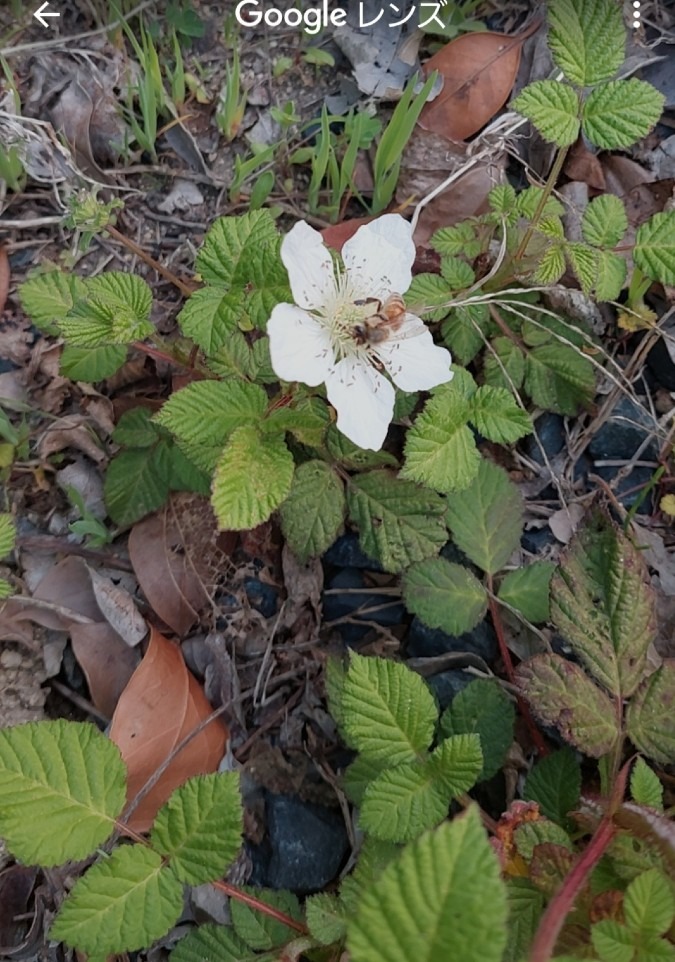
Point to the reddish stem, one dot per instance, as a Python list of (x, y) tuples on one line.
[(558, 909), (255, 903), (524, 708)]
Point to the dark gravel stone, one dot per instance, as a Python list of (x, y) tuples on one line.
[(349, 602), (263, 597), (536, 539), (425, 642), (629, 489), (306, 847), (346, 552), (550, 429), (660, 363), (618, 439), (446, 684)]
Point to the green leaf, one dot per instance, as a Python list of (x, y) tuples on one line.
[(312, 515), (210, 317), (654, 251), (7, 534), (200, 827), (407, 799), (233, 244), (350, 456), (611, 276), (102, 915), (440, 450), (621, 112), (485, 709), (526, 904), (553, 108), (555, 784), (527, 203), (92, 363), (137, 483), (504, 364), (612, 941), (561, 694), (428, 294), (502, 200), (584, 262), (135, 429), (486, 520), (604, 221), (210, 941), (205, 413), (457, 274), (463, 330), (559, 378), (429, 903), (444, 595), (259, 930), (603, 605), (252, 478), (650, 721), (540, 832), (115, 309), (458, 240), (62, 785), (399, 523), (497, 416), (325, 918), (307, 421), (551, 265), (233, 358), (587, 39), (649, 904), (645, 786), (362, 771), (526, 589), (47, 298), (389, 712)]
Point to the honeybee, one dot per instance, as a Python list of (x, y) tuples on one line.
[(386, 318)]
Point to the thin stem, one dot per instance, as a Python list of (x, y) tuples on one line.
[(255, 903), (560, 906), (185, 288), (545, 194)]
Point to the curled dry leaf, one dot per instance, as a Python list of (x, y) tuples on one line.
[(479, 70), (179, 559), (162, 705)]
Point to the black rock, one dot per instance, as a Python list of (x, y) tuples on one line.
[(425, 642), (261, 596), (536, 539), (305, 849), (349, 603), (446, 684), (629, 489), (550, 430), (346, 552), (623, 433), (661, 365)]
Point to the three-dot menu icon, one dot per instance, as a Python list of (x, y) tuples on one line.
[(636, 13)]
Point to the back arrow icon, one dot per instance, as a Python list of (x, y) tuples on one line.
[(43, 12)]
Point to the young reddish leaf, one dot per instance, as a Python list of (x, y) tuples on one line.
[(160, 706), (478, 71), (563, 695)]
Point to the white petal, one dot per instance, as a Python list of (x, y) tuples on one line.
[(411, 358), (364, 401), (300, 348), (309, 266), (379, 257)]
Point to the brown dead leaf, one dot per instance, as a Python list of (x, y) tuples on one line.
[(479, 70), (160, 706), (72, 431), (336, 235), (179, 559), (584, 165), (4, 277), (107, 662)]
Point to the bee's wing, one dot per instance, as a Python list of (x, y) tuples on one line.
[(411, 327)]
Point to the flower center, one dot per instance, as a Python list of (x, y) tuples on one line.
[(342, 314)]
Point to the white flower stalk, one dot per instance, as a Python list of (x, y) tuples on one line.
[(346, 328)]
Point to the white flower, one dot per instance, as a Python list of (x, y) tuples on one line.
[(317, 339)]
